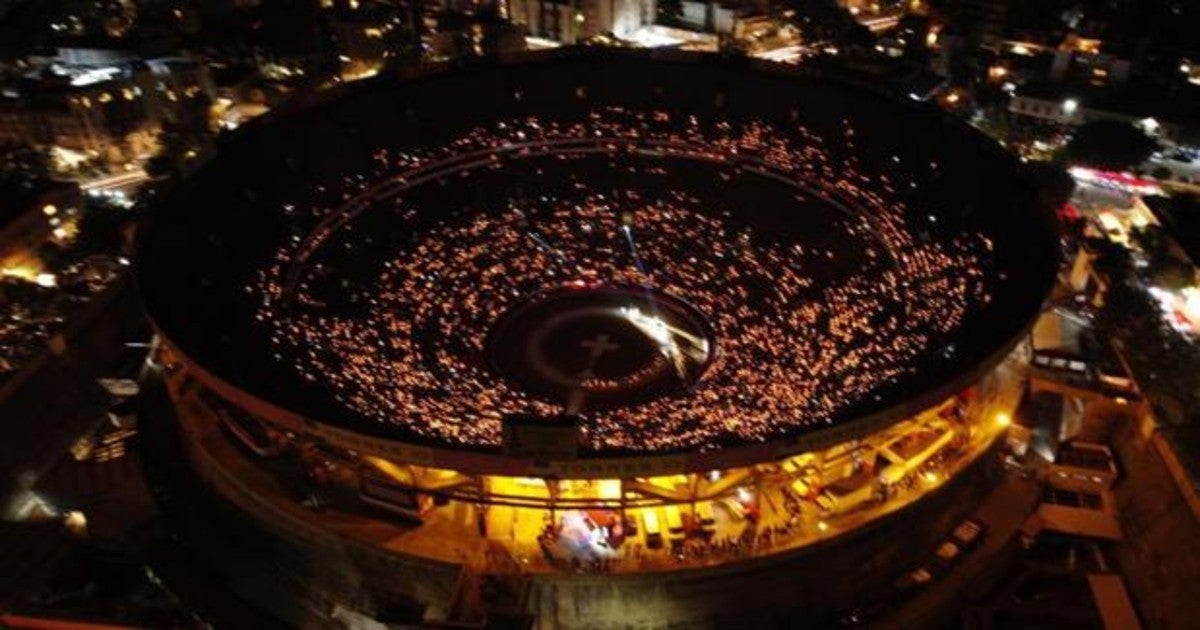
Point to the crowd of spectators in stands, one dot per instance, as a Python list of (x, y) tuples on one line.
[(792, 350)]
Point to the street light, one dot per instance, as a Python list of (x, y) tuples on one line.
[(1003, 419), (1069, 106)]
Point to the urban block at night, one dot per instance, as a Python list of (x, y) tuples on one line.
[(599, 337)]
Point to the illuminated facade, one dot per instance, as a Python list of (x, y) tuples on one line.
[(571, 22), (667, 499)]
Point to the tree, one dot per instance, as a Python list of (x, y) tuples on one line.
[(103, 229), (1164, 268), (1054, 185), (178, 144), (826, 20), (1171, 273), (1109, 145), (1112, 260), (184, 138)]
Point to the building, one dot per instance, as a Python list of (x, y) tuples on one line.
[(1077, 497), (1072, 104), (544, 417), (102, 102), (570, 22), (459, 34), (29, 220)]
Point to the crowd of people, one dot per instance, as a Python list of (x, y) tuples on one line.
[(793, 349)]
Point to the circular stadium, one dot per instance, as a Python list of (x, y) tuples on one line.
[(518, 283)]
